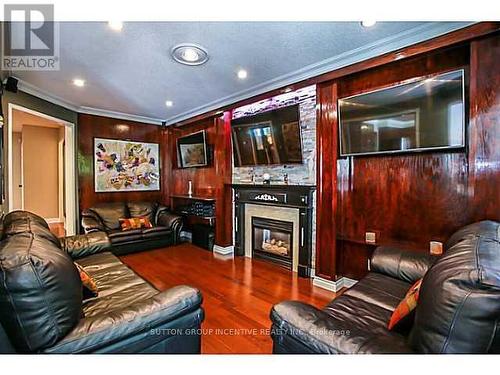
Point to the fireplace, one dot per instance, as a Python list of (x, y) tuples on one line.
[(275, 223), (272, 240)]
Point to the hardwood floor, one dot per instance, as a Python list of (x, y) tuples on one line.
[(238, 293)]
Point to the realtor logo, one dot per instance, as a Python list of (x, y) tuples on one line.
[(30, 37)]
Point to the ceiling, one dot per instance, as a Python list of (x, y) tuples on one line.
[(130, 73)]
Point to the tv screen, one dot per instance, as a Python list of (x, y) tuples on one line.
[(192, 150), (268, 138), (421, 115)]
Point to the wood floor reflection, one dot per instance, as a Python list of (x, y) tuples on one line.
[(238, 293)]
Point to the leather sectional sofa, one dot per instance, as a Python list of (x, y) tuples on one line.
[(42, 308), (106, 218), (458, 310)]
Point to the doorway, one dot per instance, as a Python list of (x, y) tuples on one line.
[(41, 167)]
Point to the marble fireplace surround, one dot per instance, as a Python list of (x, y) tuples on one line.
[(276, 213)]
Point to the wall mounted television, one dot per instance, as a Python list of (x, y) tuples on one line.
[(424, 114), (268, 138), (192, 150)]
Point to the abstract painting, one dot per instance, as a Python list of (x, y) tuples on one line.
[(121, 166)]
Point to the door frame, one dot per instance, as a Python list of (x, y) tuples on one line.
[(70, 191)]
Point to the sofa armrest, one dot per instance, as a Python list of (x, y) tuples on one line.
[(119, 330), (170, 220), (299, 328), (408, 266), (83, 245), (91, 223)]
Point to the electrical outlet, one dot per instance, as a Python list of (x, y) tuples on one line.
[(436, 248), (371, 237)]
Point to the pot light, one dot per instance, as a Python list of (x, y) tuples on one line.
[(115, 25), (79, 82), (189, 54), (368, 23), (169, 103), (242, 74)]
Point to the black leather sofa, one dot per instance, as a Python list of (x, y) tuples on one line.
[(105, 218), (41, 307), (458, 310)]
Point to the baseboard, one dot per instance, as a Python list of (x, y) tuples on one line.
[(228, 250), (347, 282), (333, 286)]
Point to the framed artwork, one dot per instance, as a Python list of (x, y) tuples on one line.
[(121, 166)]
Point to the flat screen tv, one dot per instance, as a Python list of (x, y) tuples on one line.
[(424, 114), (271, 137), (192, 150)]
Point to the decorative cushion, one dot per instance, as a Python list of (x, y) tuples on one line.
[(90, 289), (40, 289), (135, 223), (143, 209), (406, 306), (110, 214)]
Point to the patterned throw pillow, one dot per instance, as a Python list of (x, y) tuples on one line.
[(406, 306), (89, 286), (135, 223)]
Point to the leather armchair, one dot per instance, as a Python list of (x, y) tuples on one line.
[(105, 218), (458, 309)]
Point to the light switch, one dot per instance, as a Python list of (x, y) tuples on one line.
[(370, 237), (436, 248)]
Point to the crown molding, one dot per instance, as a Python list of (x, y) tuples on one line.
[(28, 88), (119, 115), (54, 99), (382, 46)]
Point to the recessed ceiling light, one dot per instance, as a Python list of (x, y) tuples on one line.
[(368, 23), (169, 103), (189, 54), (242, 74), (287, 90), (79, 82), (115, 25)]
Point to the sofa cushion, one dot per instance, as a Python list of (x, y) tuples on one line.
[(406, 306), (380, 290), (111, 213), (121, 236), (143, 209), (118, 285), (40, 291), (459, 303), (156, 232)]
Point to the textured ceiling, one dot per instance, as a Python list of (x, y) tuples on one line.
[(131, 71)]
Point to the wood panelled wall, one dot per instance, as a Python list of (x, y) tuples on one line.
[(90, 127), (211, 181), (408, 199)]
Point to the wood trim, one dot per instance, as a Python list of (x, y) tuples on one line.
[(327, 142), (223, 169)]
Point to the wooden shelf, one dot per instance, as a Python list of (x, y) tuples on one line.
[(193, 198)]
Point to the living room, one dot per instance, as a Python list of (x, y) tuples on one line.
[(207, 198)]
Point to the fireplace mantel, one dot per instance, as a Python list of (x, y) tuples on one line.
[(298, 197)]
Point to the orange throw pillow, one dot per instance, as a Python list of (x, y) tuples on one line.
[(135, 223), (89, 286), (406, 306)]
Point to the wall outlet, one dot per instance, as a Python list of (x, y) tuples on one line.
[(371, 237), (436, 248)]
